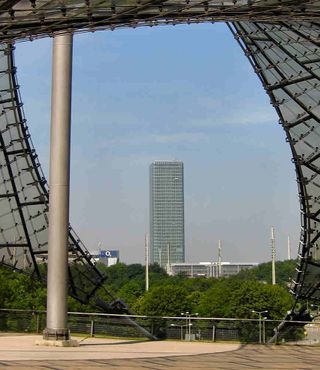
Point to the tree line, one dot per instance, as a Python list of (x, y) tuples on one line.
[(236, 296)]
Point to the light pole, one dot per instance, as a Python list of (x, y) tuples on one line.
[(181, 329), (168, 262), (146, 245), (264, 330), (260, 322), (188, 316)]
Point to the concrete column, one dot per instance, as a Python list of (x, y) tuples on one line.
[(59, 180)]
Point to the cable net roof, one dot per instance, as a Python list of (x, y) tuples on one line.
[(280, 40), (24, 196), (27, 19), (286, 57)]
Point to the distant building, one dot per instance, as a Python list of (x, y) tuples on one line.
[(166, 213), (209, 269), (190, 269), (106, 257)]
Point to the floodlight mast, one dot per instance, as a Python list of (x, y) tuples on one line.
[(273, 256), (57, 284), (146, 245), (219, 259)]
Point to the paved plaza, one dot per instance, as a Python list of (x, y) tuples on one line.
[(20, 352)]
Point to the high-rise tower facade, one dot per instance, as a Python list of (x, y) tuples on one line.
[(166, 213)]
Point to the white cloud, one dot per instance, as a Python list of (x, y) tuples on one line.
[(149, 139), (182, 137), (222, 111), (250, 116)]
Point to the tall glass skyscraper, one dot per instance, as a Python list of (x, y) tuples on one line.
[(166, 213)]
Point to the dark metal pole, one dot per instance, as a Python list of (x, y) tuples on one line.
[(260, 328)]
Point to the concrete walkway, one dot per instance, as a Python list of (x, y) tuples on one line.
[(17, 348), (21, 353)]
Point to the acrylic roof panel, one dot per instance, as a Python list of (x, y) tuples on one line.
[(39, 18)]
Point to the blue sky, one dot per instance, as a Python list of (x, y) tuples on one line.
[(175, 92)]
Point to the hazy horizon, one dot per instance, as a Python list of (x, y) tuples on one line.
[(185, 93)]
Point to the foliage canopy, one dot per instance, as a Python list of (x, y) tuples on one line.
[(236, 296)]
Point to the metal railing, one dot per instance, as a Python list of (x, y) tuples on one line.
[(178, 328)]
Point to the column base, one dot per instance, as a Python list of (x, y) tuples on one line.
[(57, 338), (56, 334), (57, 343)]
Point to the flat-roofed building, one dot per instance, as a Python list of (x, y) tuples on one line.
[(209, 269)]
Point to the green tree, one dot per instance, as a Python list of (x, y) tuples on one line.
[(237, 298), (131, 291), (285, 270), (168, 300), (120, 274), (24, 294)]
